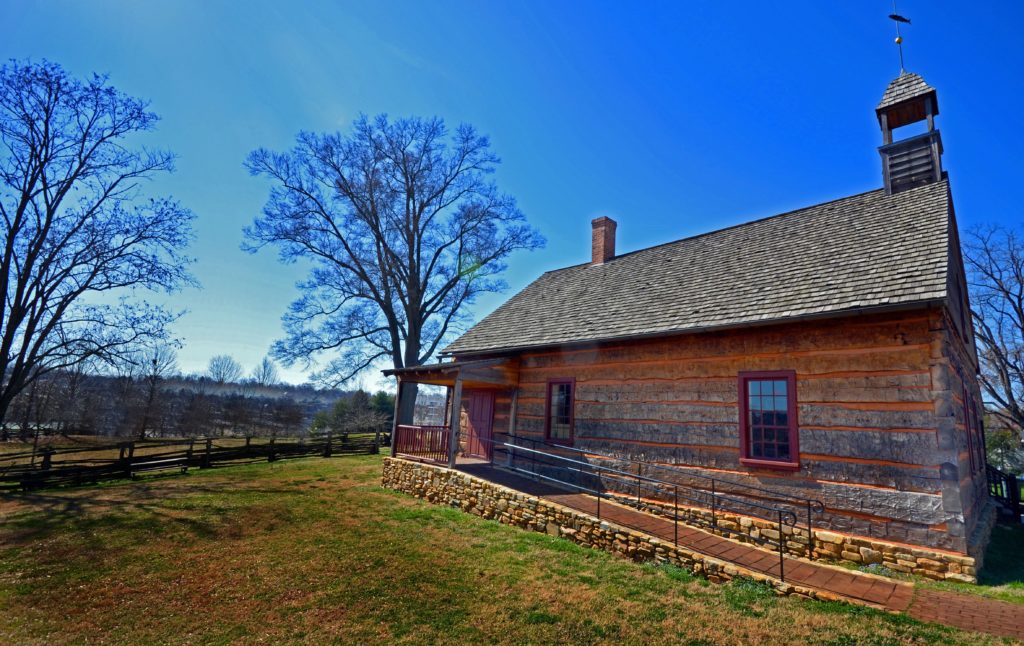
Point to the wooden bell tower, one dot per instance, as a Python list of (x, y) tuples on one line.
[(916, 160)]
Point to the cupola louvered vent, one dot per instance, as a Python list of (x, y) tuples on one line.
[(912, 162)]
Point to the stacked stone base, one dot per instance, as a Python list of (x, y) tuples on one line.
[(447, 487), (444, 486), (832, 546)]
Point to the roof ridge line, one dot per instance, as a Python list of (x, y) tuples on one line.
[(728, 228)]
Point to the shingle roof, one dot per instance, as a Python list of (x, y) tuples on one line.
[(904, 87), (864, 251)]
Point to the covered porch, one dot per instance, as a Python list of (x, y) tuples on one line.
[(478, 394)]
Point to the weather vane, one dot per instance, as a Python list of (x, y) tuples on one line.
[(899, 39)]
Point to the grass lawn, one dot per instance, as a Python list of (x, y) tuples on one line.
[(314, 551)]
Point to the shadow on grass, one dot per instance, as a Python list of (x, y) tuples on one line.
[(147, 506), (1004, 558)]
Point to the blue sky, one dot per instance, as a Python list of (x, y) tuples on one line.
[(674, 118)]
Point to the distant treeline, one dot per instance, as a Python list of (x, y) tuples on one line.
[(144, 406)]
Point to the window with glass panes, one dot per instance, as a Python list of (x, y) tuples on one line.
[(768, 419), (559, 420)]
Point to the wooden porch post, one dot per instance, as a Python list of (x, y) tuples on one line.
[(512, 424), (456, 421), (394, 422)]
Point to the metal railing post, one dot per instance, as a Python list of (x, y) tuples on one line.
[(676, 514), (782, 557), (810, 533), (714, 515), (639, 472)]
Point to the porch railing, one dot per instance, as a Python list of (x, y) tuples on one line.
[(1005, 488), (427, 443)]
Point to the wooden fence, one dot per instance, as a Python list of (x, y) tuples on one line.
[(50, 467)]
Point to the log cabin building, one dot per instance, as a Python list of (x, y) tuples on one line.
[(825, 352)]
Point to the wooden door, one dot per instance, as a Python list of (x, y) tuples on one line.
[(480, 409)]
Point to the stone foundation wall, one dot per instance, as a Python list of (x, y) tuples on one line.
[(831, 546), (444, 486)]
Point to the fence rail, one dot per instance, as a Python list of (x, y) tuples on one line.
[(79, 465)]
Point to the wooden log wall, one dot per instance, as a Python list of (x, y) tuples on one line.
[(870, 391), (966, 484)]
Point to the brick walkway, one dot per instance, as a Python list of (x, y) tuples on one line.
[(960, 610)]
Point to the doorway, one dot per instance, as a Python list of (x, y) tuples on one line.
[(480, 410)]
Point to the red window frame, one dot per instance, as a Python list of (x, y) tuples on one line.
[(571, 382), (793, 427)]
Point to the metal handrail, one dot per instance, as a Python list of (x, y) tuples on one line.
[(782, 517), (648, 479), (816, 505)]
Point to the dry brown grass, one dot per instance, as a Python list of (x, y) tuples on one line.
[(313, 551)]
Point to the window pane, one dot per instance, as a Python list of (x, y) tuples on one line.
[(780, 388), (768, 420), (560, 413)]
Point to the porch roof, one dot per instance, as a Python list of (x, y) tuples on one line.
[(479, 373)]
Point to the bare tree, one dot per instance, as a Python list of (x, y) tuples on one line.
[(78, 238), (265, 374), (224, 369), (995, 262), (160, 361), (403, 227)]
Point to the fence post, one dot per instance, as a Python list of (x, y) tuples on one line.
[(206, 456), (270, 456), (47, 457), (128, 461), (1011, 482), (327, 449), (376, 441), (190, 452)]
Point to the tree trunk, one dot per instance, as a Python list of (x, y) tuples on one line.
[(407, 404)]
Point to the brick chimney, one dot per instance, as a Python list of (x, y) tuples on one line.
[(602, 246)]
